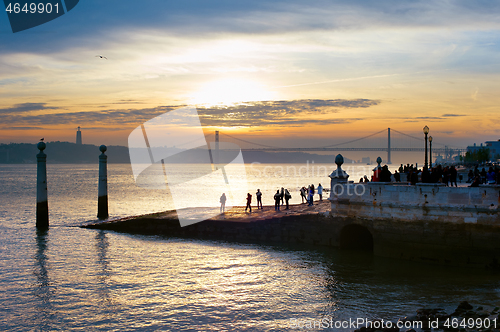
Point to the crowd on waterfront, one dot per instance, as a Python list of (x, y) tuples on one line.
[(436, 174), (411, 174), (281, 198)]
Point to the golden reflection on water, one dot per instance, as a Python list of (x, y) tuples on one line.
[(97, 280), (193, 279)]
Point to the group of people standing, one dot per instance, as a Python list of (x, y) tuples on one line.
[(307, 194), (437, 174), (282, 197), (285, 195), (477, 177)]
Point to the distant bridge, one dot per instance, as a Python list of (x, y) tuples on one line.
[(448, 152)]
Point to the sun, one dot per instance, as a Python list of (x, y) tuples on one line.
[(231, 91)]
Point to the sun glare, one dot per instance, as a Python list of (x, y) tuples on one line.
[(231, 91)]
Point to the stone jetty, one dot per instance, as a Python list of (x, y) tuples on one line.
[(300, 224)]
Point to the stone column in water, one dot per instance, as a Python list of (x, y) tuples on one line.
[(42, 205), (102, 200)]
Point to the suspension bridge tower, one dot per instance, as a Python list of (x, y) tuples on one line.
[(389, 146), (216, 152)]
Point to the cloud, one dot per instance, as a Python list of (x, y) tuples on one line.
[(452, 115), (436, 118), (253, 114), (95, 20), (111, 117), (271, 113), (27, 107), (25, 128)]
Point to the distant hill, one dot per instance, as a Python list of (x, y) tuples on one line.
[(71, 153), (61, 153)]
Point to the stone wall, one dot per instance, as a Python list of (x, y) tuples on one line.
[(426, 222)]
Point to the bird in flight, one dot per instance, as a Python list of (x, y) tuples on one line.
[(101, 57)]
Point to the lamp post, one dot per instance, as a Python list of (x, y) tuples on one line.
[(430, 151), (426, 131)]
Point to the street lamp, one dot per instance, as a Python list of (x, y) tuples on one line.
[(426, 131), (430, 150)]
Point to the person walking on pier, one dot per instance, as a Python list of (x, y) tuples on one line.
[(453, 176), (249, 202), (311, 194), (258, 194), (287, 198), (277, 199), (223, 203), (303, 194), (320, 192)]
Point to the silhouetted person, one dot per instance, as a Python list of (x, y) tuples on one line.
[(470, 176), (277, 199), (453, 176), (320, 191), (311, 194), (446, 175), (491, 176), (376, 174), (223, 203), (258, 194), (397, 176), (426, 175), (476, 171), (303, 194), (476, 182), (413, 177), (483, 175), (385, 174), (287, 198), (249, 202)]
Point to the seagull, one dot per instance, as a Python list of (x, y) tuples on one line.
[(101, 56), (41, 139)]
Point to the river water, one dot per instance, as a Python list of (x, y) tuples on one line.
[(70, 278)]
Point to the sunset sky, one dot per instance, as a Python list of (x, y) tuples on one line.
[(296, 72)]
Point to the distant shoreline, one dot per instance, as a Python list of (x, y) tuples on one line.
[(72, 153)]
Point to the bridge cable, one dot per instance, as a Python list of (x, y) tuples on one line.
[(421, 139), (238, 139), (358, 139)]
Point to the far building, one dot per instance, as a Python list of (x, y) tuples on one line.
[(493, 146), (79, 137), (474, 148)]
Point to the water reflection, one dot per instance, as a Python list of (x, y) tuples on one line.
[(42, 289), (103, 273)]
